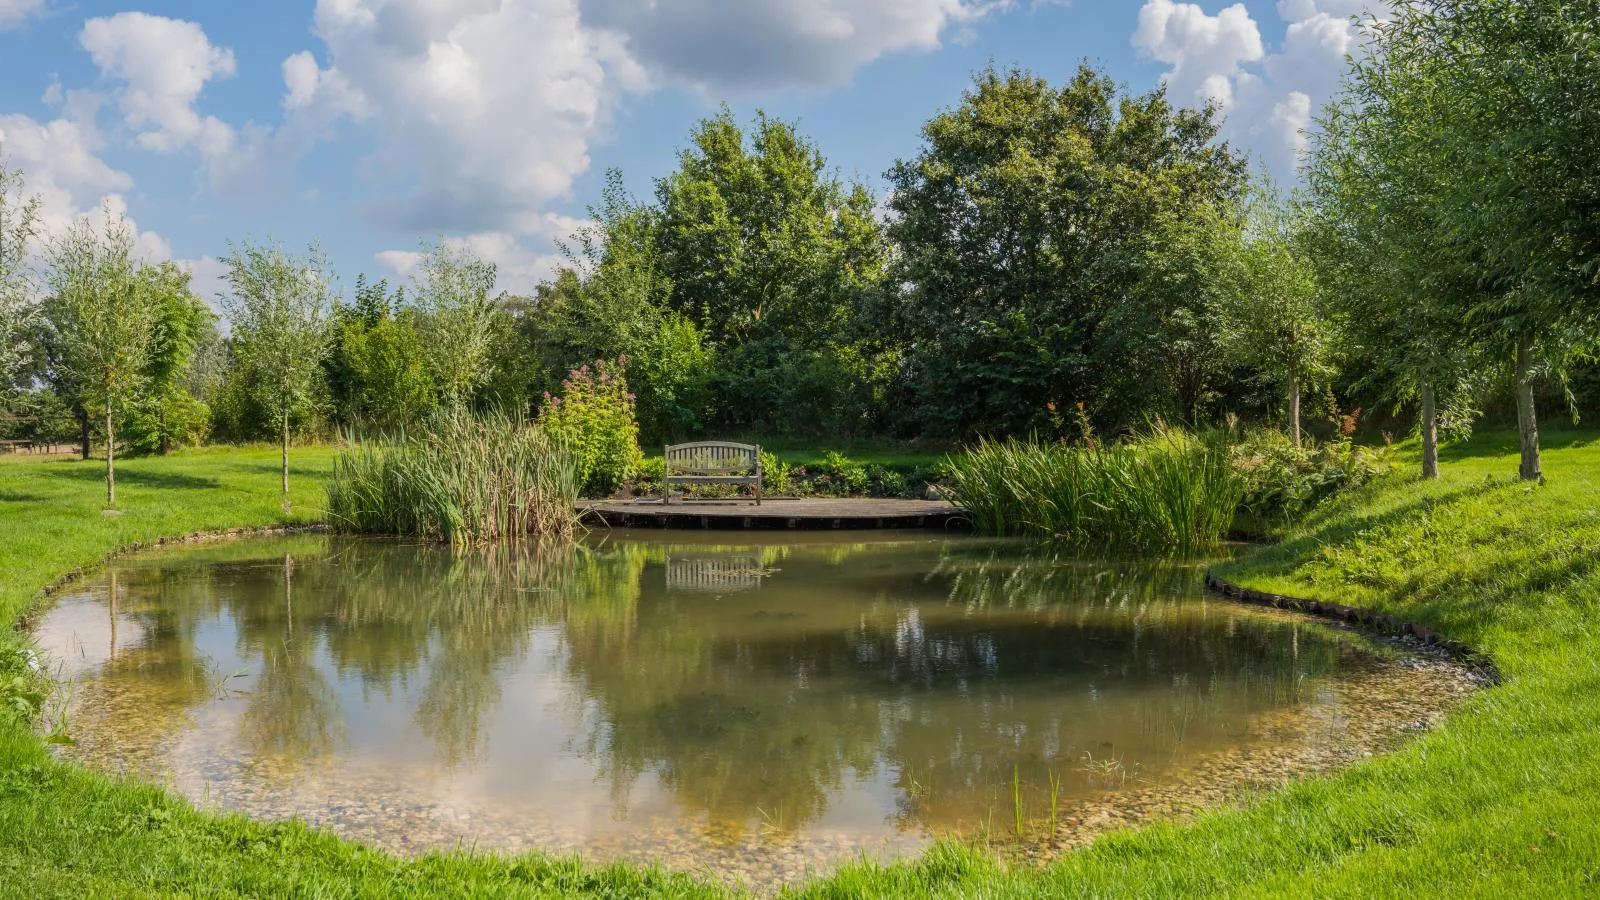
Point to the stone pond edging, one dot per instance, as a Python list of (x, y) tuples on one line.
[(1381, 623)]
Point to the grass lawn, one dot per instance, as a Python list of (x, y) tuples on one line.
[(1502, 800)]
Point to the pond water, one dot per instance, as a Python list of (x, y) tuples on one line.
[(749, 706)]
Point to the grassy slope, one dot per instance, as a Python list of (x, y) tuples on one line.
[(1503, 800)]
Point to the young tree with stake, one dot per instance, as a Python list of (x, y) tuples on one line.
[(102, 321), (279, 309)]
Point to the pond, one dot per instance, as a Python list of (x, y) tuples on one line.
[(753, 707)]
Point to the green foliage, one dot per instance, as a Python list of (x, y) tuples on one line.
[(167, 414), (458, 317), (379, 369), (594, 418), (1025, 219), (1167, 492), (279, 309), (774, 474), (460, 478), (1285, 481), (849, 478), (19, 225)]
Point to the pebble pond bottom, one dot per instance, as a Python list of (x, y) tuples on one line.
[(755, 708)]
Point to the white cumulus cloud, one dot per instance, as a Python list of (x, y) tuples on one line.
[(739, 45), (162, 65), (1270, 98), (14, 12)]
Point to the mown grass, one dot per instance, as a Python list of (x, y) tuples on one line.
[(1502, 800)]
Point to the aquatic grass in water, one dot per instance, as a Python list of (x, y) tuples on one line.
[(463, 478), (1166, 492)]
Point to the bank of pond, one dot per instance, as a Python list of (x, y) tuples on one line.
[(755, 707)]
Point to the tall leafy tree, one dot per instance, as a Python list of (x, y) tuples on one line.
[(1499, 96), (1026, 215), (1274, 319), (614, 300), (279, 307), (771, 255), (454, 293), (19, 221), (1375, 182), (102, 319)]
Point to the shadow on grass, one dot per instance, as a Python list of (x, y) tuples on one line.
[(141, 478), (1501, 444), (1276, 559), (13, 497)]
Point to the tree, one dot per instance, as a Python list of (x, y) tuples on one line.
[(1273, 319), (613, 300), (1375, 184), (168, 412), (102, 319), (19, 219), (279, 309), (1497, 98), (771, 256), (1027, 214), (458, 318)]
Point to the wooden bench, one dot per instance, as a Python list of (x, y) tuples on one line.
[(711, 462), (15, 446)]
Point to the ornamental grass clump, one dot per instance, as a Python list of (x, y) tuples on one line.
[(461, 478), (1166, 492)]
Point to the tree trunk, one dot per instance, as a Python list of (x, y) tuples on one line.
[(1430, 431), (1294, 406), (286, 462), (111, 461), (1527, 424)]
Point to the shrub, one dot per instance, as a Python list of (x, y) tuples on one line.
[(1283, 481), (595, 418), (848, 477), (461, 478), (774, 474)]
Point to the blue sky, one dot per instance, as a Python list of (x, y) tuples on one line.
[(371, 124)]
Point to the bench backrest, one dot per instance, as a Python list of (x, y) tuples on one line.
[(712, 457)]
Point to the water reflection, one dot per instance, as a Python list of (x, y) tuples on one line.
[(640, 696)]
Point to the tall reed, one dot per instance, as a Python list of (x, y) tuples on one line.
[(462, 478), (1167, 491)]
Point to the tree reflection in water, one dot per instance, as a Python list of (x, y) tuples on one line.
[(763, 686)]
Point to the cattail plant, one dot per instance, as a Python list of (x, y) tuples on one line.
[(462, 478)]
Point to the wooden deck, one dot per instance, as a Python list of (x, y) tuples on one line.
[(819, 514)]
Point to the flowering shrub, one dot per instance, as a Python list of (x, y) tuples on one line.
[(595, 418)]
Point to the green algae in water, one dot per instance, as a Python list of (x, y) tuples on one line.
[(755, 706)]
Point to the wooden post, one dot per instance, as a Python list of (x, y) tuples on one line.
[(1527, 424)]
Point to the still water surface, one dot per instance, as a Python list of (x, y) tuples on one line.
[(752, 706)]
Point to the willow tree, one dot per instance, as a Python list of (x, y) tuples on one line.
[(1272, 317), (19, 219), (279, 308), (1500, 96), (1375, 186), (454, 292), (102, 321)]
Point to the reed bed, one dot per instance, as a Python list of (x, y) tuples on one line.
[(1167, 492), (461, 478)]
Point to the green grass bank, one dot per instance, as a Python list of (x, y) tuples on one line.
[(1502, 800)]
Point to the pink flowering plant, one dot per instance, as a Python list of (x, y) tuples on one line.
[(595, 417)]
